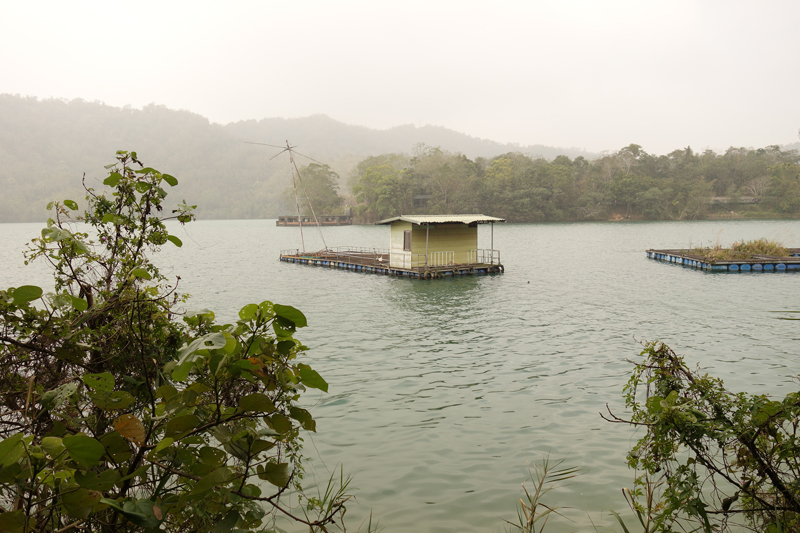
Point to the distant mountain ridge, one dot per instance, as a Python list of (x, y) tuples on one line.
[(333, 137), (47, 145)]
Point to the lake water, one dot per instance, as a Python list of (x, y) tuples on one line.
[(441, 392)]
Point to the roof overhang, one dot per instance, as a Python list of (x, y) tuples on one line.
[(421, 220)]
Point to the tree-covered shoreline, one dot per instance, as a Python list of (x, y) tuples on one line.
[(629, 184)]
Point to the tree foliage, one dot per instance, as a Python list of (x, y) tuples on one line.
[(629, 183), (119, 414), (710, 458), (318, 187)]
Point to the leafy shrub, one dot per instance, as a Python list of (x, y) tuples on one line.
[(115, 414)]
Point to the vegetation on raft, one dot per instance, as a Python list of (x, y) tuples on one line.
[(741, 250)]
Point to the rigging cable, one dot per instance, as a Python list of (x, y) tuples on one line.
[(294, 166)]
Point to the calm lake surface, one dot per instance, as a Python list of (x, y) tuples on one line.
[(441, 392)]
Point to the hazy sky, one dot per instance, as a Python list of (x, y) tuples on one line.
[(597, 75)]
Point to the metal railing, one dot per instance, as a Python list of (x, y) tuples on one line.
[(441, 258), (378, 257), (487, 257), (346, 254)]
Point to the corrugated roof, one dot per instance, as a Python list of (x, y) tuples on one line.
[(443, 219)]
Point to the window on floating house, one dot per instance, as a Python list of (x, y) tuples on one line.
[(407, 241)]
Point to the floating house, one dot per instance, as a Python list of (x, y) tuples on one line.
[(420, 246), (419, 241)]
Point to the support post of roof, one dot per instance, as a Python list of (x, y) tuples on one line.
[(492, 243), (427, 232)]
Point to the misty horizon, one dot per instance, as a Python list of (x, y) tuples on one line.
[(663, 75)]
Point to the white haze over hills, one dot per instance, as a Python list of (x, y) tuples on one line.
[(47, 145), (579, 73)]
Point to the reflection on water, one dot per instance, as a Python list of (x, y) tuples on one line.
[(442, 391)]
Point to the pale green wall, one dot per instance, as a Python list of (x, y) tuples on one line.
[(457, 238), (398, 257)]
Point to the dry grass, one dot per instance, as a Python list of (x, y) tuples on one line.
[(741, 251)]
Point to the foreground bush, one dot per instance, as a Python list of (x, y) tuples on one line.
[(711, 458), (119, 414)]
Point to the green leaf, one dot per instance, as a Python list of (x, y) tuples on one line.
[(104, 481), (181, 424), (181, 372), (174, 240), (141, 273), (653, 404), (13, 522), (53, 446), (304, 417), (142, 187), (117, 448), (79, 304), (100, 382), (113, 179), (141, 513), (228, 523), (280, 423), (265, 309), (214, 479), (79, 501), (256, 402), (290, 313), (11, 449), (109, 401), (310, 378), (165, 443), (283, 327), (212, 456), (69, 354), (57, 397), (277, 474), (71, 204), (113, 219), (85, 451), (285, 347), (26, 293), (248, 312), (170, 180)]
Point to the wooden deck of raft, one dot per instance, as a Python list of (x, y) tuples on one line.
[(376, 261), (758, 263)]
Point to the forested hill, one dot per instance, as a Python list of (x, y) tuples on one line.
[(47, 145)]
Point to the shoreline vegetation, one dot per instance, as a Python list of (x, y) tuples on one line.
[(629, 184)]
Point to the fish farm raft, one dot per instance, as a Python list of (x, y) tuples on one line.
[(756, 263), (422, 247), (375, 261)]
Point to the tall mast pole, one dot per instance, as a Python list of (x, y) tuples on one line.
[(296, 201)]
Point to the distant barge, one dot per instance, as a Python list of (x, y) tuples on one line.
[(758, 263), (422, 247), (324, 220)]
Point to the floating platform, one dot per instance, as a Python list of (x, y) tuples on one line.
[(758, 263), (324, 220), (375, 261)]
